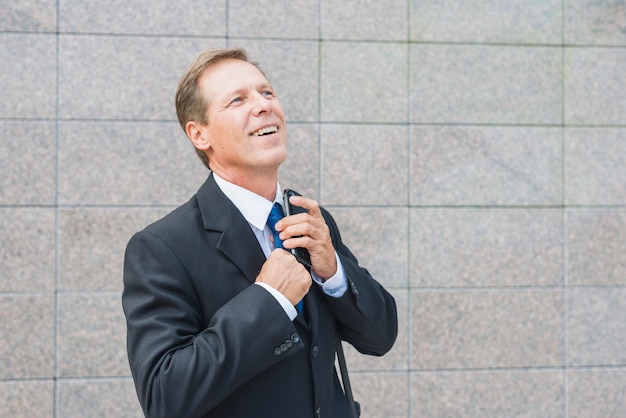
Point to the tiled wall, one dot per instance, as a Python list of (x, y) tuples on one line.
[(473, 152)]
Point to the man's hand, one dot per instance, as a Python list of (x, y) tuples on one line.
[(284, 273), (309, 230)]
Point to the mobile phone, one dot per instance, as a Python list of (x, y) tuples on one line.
[(301, 254)]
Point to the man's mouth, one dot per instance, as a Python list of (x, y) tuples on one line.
[(265, 131)]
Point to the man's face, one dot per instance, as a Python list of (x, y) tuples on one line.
[(246, 131)]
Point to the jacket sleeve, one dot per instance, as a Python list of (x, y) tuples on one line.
[(181, 365), (366, 315)]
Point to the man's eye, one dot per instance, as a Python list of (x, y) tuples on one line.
[(267, 93), (236, 100)]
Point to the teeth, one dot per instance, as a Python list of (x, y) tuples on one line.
[(265, 131)]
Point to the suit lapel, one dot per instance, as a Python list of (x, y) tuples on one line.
[(237, 241)]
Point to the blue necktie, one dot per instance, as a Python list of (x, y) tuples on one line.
[(276, 214)]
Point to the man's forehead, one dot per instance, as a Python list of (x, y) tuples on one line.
[(231, 75)]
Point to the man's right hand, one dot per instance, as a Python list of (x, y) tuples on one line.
[(284, 273)]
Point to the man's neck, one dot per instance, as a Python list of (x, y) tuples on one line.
[(263, 185)]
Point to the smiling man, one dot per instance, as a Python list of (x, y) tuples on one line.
[(210, 297)]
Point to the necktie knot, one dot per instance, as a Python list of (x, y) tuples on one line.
[(276, 214)]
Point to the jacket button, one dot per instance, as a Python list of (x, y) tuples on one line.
[(355, 292), (278, 351), (295, 338), (318, 412), (314, 351)]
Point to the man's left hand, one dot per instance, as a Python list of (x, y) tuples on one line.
[(309, 230)]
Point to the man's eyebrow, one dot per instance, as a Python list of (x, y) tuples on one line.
[(241, 90), (226, 96), (234, 92)]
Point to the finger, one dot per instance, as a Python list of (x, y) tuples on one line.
[(299, 224), (300, 241), (305, 235), (309, 204)]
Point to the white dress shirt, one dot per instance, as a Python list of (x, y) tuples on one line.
[(255, 209)]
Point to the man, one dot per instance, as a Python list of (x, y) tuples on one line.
[(213, 330)]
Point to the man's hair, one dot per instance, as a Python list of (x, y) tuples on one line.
[(191, 105)]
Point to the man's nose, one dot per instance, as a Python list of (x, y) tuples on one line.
[(261, 104)]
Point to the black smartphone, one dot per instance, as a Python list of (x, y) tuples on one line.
[(301, 254)]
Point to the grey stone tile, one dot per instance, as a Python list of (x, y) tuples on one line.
[(378, 237), (357, 157), (92, 244), (123, 77), (27, 250), (397, 359), (27, 399), (596, 327), (27, 337), (297, 19), (98, 398), (486, 166), (595, 166), (364, 82), (28, 16), (486, 247), (293, 69), (91, 336), (27, 158), (160, 17), (485, 84), (488, 394), (595, 82), (300, 171), (365, 20), (596, 393), (590, 22), (596, 244), (381, 394), (113, 163), (486, 329), (28, 82), (535, 21)]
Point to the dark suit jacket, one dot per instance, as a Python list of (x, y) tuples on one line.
[(203, 341)]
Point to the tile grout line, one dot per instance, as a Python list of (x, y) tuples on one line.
[(564, 211), (55, 312)]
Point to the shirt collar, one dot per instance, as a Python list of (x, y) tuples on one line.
[(254, 208)]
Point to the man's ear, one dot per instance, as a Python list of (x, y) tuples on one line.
[(197, 135)]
